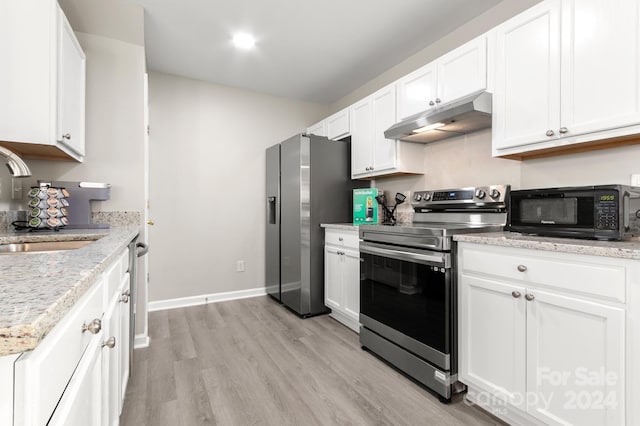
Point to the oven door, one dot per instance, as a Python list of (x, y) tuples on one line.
[(406, 297)]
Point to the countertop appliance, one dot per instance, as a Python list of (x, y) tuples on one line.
[(603, 212), (81, 195), (442, 121), (308, 182), (408, 281)]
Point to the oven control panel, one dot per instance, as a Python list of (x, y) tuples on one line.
[(481, 196)]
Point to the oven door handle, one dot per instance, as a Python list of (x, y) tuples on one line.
[(436, 259)]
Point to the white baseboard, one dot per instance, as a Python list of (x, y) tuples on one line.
[(141, 341), (183, 302)]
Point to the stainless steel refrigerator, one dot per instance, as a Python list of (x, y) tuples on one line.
[(308, 183)]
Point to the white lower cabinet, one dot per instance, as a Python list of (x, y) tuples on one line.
[(342, 276), (77, 375), (533, 349)]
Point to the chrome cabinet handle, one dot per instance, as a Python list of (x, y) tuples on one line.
[(127, 293), (431, 103), (563, 130), (529, 297), (522, 268), (367, 169), (93, 327), (124, 299), (66, 136), (340, 239), (438, 100), (110, 342), (550, 133), (371, 168), (516, 294)]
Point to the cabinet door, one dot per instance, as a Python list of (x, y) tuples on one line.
[(463, 70), (416, 91), (338, 125), (384, 116), (71, 88), (111, 363), (351, 283), (575, 360), (81, 402), (361, 138), (600, 60), (332, 278), (527, 92), (492, 337), (123, 344)]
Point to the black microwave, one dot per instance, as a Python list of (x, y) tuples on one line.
[(604, 212)]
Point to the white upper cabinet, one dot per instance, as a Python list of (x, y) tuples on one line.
[(371, 153), (318, 129), (416, 91), (452, 76), (566, 73), (42, 82), (600, 44), (338, 125)]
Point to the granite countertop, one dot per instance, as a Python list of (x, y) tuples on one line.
[(628, 249), (38, 289)]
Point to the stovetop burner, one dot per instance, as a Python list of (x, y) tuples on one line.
[(440, 214)]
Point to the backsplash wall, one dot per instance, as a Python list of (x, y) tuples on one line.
[(467, 161)]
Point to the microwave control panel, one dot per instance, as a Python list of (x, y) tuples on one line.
[(606, 210)]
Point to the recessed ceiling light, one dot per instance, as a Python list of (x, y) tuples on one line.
[(244, 41)]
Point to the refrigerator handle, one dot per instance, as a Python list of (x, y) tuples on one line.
[(271, 210)]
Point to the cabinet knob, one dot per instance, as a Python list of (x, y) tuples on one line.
[(550, 133), (563, 130), (516, 294), (66, 136), (522, 268), (110, 342), (431, 103), (93, 327), (529, 297), (438, 100), (124, 299), (371, 168), (340, 239)]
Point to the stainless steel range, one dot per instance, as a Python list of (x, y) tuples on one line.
[(408, 281)]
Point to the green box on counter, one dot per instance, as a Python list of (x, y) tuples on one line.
[(365, 206)]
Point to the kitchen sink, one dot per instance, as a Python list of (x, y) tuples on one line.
[(42, 246)]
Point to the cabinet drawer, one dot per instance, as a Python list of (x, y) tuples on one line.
[(342, 238), (114, 275), (578, 274), (46, 370)]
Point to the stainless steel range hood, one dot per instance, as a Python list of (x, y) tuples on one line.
[(465, 115)]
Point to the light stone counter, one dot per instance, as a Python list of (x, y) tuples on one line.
[(342, 226), (38, 289), (620, 249)]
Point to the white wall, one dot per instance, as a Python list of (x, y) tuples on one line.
[(207, 193)]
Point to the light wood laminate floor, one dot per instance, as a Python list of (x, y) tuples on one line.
[(253, 362)]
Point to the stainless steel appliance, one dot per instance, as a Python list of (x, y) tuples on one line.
[(443, 121), (307, 183), (136, 250), (81, 196), (408, 281), (604, 212)]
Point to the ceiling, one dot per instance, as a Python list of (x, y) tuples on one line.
[(312, 50)]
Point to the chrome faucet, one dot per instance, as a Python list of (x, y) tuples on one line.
[(16, 166)]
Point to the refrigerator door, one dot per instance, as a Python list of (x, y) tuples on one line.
[(295, 214), (272, 202)]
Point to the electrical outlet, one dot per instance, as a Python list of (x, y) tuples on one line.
[(635, 180), (240, 266), (16, 188)]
